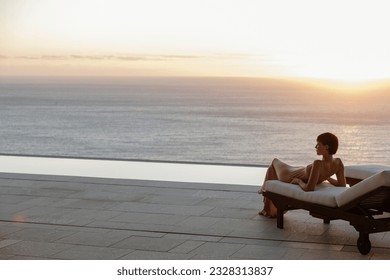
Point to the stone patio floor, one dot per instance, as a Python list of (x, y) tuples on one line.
[(69, 217)]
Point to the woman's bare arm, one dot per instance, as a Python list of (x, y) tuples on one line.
[(340, 177), (313, 178)]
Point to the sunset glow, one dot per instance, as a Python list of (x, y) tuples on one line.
[(330, 40)]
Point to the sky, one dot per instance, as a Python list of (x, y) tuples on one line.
[(339, 40)]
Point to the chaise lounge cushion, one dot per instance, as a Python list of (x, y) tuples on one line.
[(362, 172), (323, 194), (327, 194), (367, 185)]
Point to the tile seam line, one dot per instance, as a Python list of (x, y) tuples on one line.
[(186, 233)]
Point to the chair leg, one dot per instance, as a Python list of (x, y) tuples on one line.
[(279, 218), (363, 243)]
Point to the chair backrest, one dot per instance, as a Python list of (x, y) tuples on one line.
[(362, 172), (366, 188)]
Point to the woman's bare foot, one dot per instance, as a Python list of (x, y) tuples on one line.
[(265, 214)]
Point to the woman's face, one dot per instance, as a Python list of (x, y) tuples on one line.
[(321, 149)]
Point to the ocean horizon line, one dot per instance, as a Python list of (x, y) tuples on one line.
[(377, 86)]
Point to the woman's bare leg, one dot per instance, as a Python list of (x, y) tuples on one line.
[(269, 209), (278, 170)]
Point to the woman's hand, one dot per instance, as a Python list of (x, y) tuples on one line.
[(296, 181), (300, 183)]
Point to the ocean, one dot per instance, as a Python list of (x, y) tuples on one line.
[(209, 120)]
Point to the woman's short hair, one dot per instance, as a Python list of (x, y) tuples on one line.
[(330, 140)]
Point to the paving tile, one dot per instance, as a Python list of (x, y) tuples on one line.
[(138, 207), (52, 192), (150, 255), (48, 201), (269, 231), (105, 195), (149, 243), (34, 249), (338, 235), (238, 224), (298, 215), (8, 210), (375, 253), (155, 228), (312, 246), (30, 258), (199, 222), (204, 226), (58, 215), (251, 241), (92, 253), (57, 220), (193, 237), (5, 257), (162, 208), (332, 255), (234, 203), (307, 229), (7, 242), (14, 199), (248, 234), (260, 252), (294, 254), (187, 247), (225, 212), (380, 256), (12, 190), (214, 249), (95, 214), (217, 194), (128, 227), (211, 257), (386, 237), (176, 190), (91, 204), (7, 228), (103, 239), (147, 218), (173, 199), (24, 225), (39, 234), (216, 231), (47, 211)]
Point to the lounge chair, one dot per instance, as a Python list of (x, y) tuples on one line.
[(368, 196)]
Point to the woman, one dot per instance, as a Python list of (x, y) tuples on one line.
[(307, 177)]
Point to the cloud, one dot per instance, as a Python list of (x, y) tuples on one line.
[(135, 57), (42, 57)]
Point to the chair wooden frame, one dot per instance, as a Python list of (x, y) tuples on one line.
[(360, 212)]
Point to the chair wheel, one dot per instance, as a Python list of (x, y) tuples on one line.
[(364, 244)]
